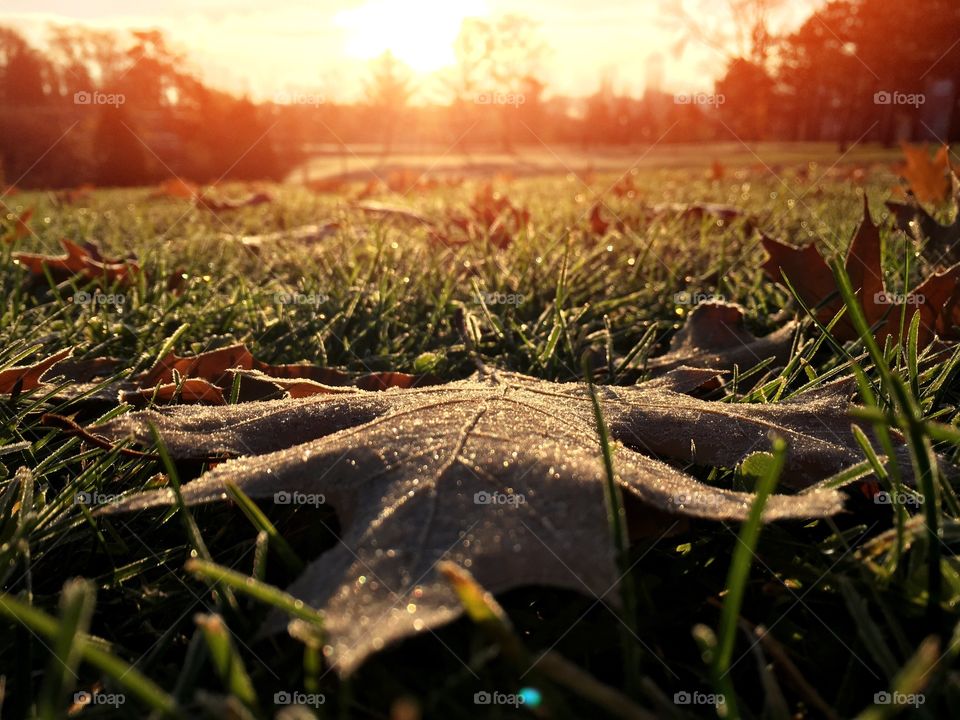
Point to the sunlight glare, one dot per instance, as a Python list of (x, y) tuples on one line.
[(420, 33)]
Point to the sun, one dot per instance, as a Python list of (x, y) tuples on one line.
[(420, 33)]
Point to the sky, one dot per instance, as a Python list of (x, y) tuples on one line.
[(264, 47)]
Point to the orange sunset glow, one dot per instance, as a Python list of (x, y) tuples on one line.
[(479, 359), (262, 47)]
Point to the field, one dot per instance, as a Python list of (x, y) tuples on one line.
[(846, 600)]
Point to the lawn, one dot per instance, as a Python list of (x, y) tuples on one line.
[(845, 600)]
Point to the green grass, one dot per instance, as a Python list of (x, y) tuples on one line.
[(864, 603)]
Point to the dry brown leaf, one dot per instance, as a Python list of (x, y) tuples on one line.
[(698, 211), (935, 298), (600, 225), (84, 260), (211, 365), (306, 234), (218, 367), (21, 227), (928, 178), (84, 370), (255, 385), (373, 188), (332, 185), (406, 181), (501, 473), (493, 216), (190, 390), (393, 212), (24, 378), (175, 188), (216, 205), (625, 187), (714, 336), (941, 243), (72, 196)]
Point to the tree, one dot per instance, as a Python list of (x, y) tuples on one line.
[(387, 95), (24, 72), (747, 92), (734, 28), (498, 65), (120, 156)]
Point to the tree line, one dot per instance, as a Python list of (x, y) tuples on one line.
[(126, 108)]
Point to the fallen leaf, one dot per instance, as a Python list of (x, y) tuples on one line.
[(218, 367), (928, 178), (625, 188), (599, 225), (255, 385), (408, 181), (24, 378), (72, 196), (493, 216), (333, 185), (501, 473), (176, 281), (489, 207), (714, 336), (216, 205), (698, 211), (190, 390), (175, 188), (85, 260), (373, 188), (83, 370), (935, 298), (307, 234), (21, 228), (393, 212), (941, 242)]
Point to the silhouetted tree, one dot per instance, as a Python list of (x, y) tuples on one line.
[(387, 95), (120, 156)]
